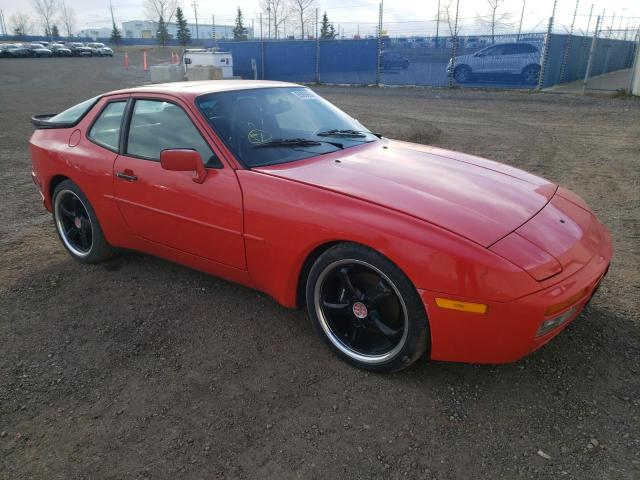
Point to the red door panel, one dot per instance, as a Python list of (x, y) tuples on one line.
[(170, 208)]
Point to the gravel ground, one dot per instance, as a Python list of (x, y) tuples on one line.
[(138, 368)]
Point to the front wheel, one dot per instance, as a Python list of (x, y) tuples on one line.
[(365, 308), (462, 74), (77, 224)]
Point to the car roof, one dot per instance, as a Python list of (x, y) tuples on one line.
[(509, 43), (194, 89)]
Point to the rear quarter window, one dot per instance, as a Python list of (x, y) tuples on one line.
[(105, 131), (75, 113)]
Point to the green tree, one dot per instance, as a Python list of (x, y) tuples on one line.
[(327, 30), (239, 31), (116, 36), (54, 32), (162, 34), (183, 34)]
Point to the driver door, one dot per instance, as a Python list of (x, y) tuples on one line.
[(168, 207), (489, 60)]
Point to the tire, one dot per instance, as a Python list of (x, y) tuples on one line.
[(462, 74), (365, 309), (77, 225), (530, 74)]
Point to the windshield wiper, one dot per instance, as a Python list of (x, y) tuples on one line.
[(295, 142), (346, 132)]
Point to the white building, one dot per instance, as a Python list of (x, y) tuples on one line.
[(148, 29)]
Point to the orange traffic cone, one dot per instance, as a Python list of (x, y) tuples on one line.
[(126, 61), (145, 65), (173, 58)]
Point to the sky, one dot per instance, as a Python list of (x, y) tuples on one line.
[(400, 18)]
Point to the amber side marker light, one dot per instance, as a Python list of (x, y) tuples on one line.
[(566, 303), (462, 306)]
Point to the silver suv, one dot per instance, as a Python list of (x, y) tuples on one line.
[(501, 59), (100, 50)]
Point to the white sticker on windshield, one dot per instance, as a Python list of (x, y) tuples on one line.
[(304, 94)]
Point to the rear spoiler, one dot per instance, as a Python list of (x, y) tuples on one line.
[(42, 121)]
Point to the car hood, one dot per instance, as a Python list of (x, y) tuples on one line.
[(476, 198), (463, 58)]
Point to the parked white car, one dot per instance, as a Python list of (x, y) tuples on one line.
[(502, 59), (100, 50)]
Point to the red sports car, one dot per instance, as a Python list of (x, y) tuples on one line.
[(395, 248)]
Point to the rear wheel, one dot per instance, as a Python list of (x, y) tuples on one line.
[(462, 74), (530, 74), (77, 225), (366, 309)]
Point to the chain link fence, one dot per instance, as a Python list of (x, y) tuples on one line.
[(514, 61), (588, 59), (524, 61)]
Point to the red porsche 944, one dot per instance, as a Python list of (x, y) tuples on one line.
[(394, 248)]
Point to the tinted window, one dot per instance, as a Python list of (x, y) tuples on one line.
[(513, 49), (106, 129), (497, 50), (157, 125), (527, 48), (75, 113)]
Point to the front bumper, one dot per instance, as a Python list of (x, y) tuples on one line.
[(508, 331)]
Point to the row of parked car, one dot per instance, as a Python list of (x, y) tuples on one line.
[(54, 49)]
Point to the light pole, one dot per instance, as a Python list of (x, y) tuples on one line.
[(194, 4), (524, 2)]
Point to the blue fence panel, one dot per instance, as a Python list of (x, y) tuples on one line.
[(609, 55), (243, 53), (576, 62), (401, 64), (348, 61), (481, 61), (501, 61), (290, 60), (612, 55)]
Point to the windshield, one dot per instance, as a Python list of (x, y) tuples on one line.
[(268, 126)]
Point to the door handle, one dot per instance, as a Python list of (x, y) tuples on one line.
[(127, 175)]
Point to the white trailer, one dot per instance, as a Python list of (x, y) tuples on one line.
[(208, 58)]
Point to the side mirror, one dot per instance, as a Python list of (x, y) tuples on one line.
[(183, 160), (187, 61)]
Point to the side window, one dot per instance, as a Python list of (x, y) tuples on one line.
[(517, 49), (157, 125), (106, 129), (489, 52)]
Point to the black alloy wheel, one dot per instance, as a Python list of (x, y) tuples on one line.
[(366, 309), (77, 224)]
